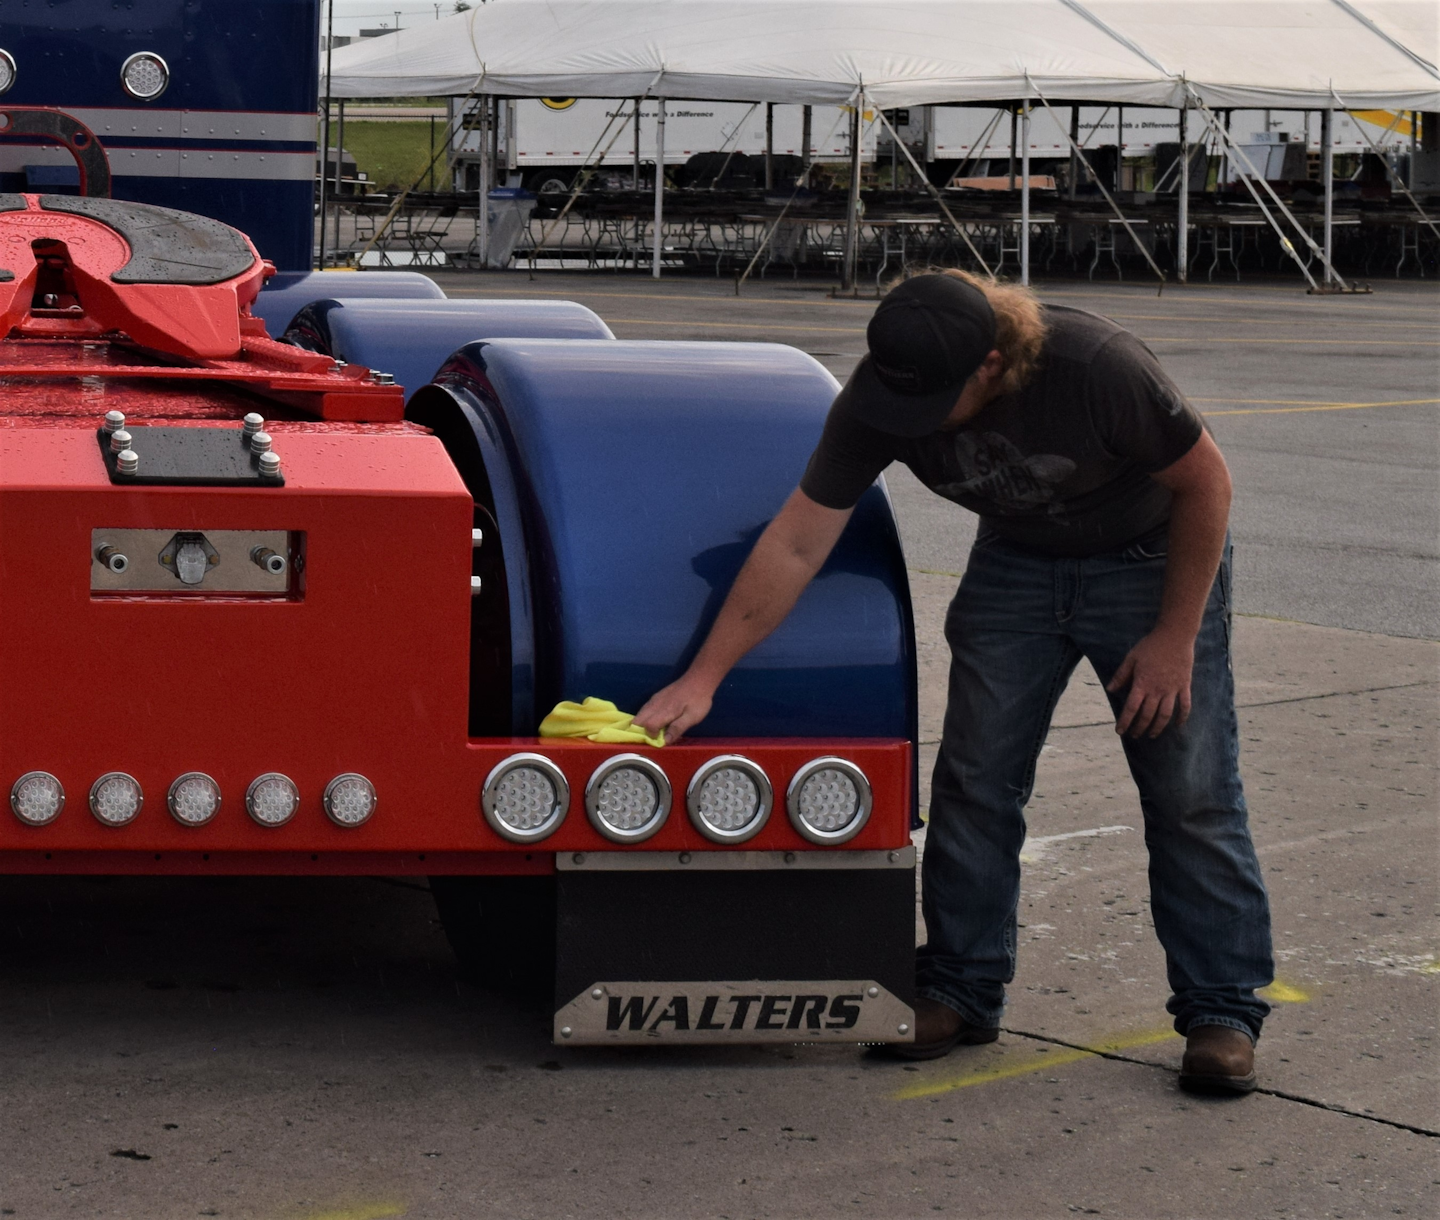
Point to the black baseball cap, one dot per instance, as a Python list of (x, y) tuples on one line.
[(926, 339)]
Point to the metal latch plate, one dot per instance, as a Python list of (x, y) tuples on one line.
[(194, 457)]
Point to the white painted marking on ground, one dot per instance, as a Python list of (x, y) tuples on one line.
[(1034, 848)]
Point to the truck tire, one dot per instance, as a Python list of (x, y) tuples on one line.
[(502, 930)]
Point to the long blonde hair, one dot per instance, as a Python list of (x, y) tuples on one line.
[(1019, 326)]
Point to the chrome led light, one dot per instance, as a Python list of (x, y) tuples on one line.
[(829, 800), (729, 799), (115, 798), (145, 75), (194, 799), (7, 71), (37, 798), (525, 798), (627, 798), (272, 799), (349, 799)]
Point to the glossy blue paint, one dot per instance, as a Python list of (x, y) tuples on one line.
[(288, 292), (412, 339), (641, 474)]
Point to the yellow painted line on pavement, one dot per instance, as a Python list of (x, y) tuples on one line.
[(1056, 1058), (363, 1211), (1366, 342), (1229, 319), (1315, 406), (706, 324), (1284, 993)]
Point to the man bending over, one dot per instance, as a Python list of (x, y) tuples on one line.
[(1103, 504)]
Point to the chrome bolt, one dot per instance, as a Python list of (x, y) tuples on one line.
[(789, 857), (684, 857), (253, 423), (337, 365), (565, 1031), (267, 560), (111, 558), (269, 462), (598, 994), (260, 442), (474, 586), (902, 1028), (477, 537), (119, 439), (578, 858), (383, 378), (114, 421), (894, 857), (127, 462), (872, 992)]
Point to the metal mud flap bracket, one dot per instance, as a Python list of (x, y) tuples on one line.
[(735, 947)]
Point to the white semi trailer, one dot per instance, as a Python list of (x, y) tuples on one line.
[(543, 142)]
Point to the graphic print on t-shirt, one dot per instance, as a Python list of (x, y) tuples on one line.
[(993, 468)]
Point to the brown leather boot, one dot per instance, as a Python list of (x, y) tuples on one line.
[(939, 1029), (1218, 1059)]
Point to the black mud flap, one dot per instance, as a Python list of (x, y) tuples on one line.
[(735, 947)]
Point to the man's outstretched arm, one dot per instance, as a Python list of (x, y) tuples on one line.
[(1157, 669), (792, 549)]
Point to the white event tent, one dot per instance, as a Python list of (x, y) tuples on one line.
[(1282, 54)]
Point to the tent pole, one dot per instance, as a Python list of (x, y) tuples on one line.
[(482, 217), (1414, 140), (339, 160), (635, 158), (806, 122), (659, 187), (1327, 178), (1074, 156), (1025, 194), (1182, 207), (769, 146), (325, 126), (1119, 144), (852, 210), (1014, 116)]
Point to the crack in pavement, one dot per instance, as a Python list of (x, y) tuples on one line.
[(1282, 1094)]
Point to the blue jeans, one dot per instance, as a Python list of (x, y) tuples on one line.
[(1017, 628)]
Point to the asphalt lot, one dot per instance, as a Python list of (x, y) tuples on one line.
[(304, 1049)]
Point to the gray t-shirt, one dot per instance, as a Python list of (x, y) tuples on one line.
[(1062, 468)]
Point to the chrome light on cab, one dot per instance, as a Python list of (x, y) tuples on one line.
[(525, 798), (37, 798), (194, 798), (349, 799), (729, 799), (272, 799), (115, 798), (829, 801), (144, 76), (628, 798), (7, 71)]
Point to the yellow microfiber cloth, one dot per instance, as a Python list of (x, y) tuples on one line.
[(598, 720)]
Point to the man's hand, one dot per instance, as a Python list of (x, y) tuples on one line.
[(676, 709), (1157, 670)]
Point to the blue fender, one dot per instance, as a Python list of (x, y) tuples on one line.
[(411, 339), (629, 481), (285, 294)]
